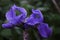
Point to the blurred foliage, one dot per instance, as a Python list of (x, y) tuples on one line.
[(51, 16)]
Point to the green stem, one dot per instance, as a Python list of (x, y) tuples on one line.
[(44, 39), (14, 34), (1, 38)]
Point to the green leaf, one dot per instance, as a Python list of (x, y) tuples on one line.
[(6, 33)]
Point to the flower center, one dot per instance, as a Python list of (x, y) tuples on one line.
[(37, 16)]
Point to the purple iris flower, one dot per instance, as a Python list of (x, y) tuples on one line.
[(37, 18), (11, 17), (44, 30)]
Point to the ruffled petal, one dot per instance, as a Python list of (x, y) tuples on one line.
[(35, 18), (44, 30)]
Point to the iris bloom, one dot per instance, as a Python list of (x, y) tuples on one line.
[(14, 20), (35, 18), (44, 30)]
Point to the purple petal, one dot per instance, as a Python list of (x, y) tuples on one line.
[(22, 10), (11, 13), (15, 21), (12, 18), (37, 14), (35, 18), (44, 30), (30, 21), (23, 14), (7, 25)]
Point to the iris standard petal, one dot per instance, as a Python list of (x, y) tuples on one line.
[(30, 21), (22, 10), (38, 15), (21, 17), (35, 18), (12, 18), (11, 13), (44, 30), (23, 13), (7, 25)]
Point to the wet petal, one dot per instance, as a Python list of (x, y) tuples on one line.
[(35, 18), (44, 30), (7, 25)]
